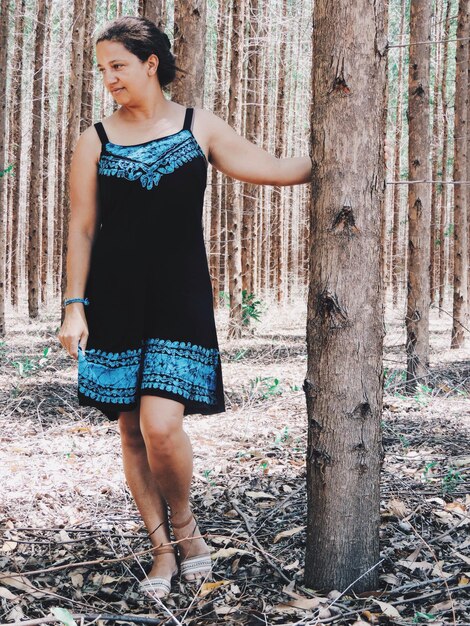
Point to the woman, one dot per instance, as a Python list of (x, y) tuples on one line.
[(139, 312)]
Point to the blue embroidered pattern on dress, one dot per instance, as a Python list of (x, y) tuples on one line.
[(181, 367), (150, 161), (109, 376)]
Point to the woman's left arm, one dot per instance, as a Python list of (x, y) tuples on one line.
[(237, 157)]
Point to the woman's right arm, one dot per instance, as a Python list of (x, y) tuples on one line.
[(83, 222)]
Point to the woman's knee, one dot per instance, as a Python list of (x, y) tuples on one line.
[(129, 428), (161, 424)]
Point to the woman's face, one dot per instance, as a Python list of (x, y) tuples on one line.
[(125, 76)]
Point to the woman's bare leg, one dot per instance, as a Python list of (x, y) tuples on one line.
[(145, 491), (170, 458)]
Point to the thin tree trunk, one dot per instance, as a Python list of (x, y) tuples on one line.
[(47, 163), (35, 179), (59, 203), (74, 116), (250, 191), (459, 313), (419, 198), (86, 116), (396, 266), (233, 204), (4, 24), (267, 191), (215, 225), (155, 10), (344, 382), (434, 241), (16, 144), (190, 50), (445, 146), (277, 257)]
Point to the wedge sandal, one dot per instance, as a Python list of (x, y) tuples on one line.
[(200, 564), (157, 584)]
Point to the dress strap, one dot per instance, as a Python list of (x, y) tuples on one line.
[(188, 119), (102, 133)]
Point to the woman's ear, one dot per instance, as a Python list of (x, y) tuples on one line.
[(152, 62)]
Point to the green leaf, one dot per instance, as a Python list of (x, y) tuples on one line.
[(64, 615)]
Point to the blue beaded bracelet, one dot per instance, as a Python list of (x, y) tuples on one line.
[(70, 300)]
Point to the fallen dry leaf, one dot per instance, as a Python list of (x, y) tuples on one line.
[(7, 594), (288, 533), (208, 587), (23, 584), (259, 494), (438, 571), (441, 606), (8, 546), (397, 507), (388, 609)]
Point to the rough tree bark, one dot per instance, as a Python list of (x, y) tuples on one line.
[(445, 147), (190, 51), (250, 191), (435, 145), (419, 198), (16, 143), (73, 122), (396, 262), (155, 10), (234, 261), (4, 18), (35, 196), (345, 328), (459, 313), (216, 231)]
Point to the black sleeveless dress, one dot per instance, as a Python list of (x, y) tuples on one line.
[(150, 318)]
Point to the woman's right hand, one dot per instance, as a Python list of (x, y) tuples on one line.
[(74, 329)]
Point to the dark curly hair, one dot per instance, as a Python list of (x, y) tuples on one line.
[(142, 37)]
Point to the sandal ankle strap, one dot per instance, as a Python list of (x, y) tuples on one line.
[(181, 524), (163, 550)]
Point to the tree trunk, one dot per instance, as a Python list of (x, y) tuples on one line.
[(216, 176), (59, 158), (73, 123), (190, 50), (250, 191), (35, 179), (419, 198), (343, 386), (16, 145), (233, 204), (47, 166), (4, 24), (155, 10), (396, 263), (266, 191), (443, 233), (276, 226), (459, 314), (87, 115), (435, 145)]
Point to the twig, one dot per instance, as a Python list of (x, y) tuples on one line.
[(437, 562), (434, 593), (262, 550), (432, 182), (421, 43), (80, 564), (106, 617), (435, 306), (421, 583)]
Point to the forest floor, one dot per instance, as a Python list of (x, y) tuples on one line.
[(72, 538)]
